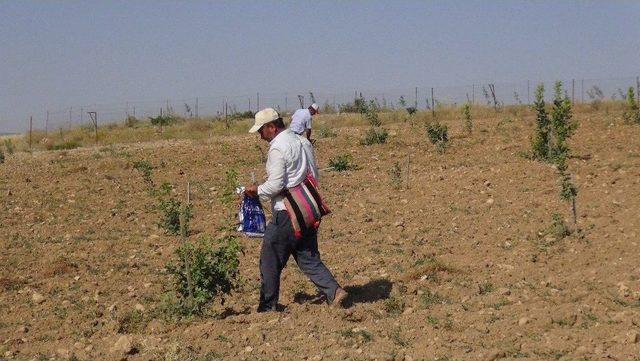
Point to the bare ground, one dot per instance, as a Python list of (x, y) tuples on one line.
[(457, 266)]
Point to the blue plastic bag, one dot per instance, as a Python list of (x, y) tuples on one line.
[(251, 217)]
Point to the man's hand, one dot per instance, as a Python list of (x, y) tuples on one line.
[(251, 190)]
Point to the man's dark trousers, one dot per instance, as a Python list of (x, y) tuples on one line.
[(278, 244)]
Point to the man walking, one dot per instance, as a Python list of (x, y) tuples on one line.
[(301, 120), (288, 163)]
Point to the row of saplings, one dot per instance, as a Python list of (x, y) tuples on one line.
[(209, 268), (549, 143)]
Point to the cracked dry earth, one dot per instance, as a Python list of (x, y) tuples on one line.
[(458, 266)]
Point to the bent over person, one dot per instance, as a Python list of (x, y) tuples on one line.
[(288, 163), (301, 120)]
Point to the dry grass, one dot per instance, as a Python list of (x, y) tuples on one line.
[(203, 128), (428, 269)]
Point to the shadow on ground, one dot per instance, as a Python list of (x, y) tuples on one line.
[(303, 297), (228, 311), (372, 291)]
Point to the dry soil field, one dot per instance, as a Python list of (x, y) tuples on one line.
[(459, 266)]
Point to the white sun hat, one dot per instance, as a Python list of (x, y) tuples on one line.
[(314, 106), (263, 117)]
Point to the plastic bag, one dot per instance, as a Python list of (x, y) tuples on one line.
[(251, 218)]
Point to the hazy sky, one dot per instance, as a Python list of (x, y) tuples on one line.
[(57, 54)]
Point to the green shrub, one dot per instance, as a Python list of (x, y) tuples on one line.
[(164, 189), (395, 176), (324, 131), (170, 307), (485, 287), (342, 163), (412, 110), (131, 322), (365, 335), (131, 121), (375, 135), (632, 111), (69, 144), (171, 210), (550, 139), (370, 112), (402, 102), (394, 305), (162, 120), (540, 141), (558, 228), (568, 190), (429, 299), (213, 272), (438, 135), (8, 144), (144, 167), (242, 115), (229, 187), (466, 117), (359, 105), (561, 125)]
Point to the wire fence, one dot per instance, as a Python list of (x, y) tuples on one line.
[(421, 97)]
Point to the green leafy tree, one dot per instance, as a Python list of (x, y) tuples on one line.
[(561, 124), (370, 112), (162, 121), (376, 134), (466, 116), (402, 101), (568, 190), (146, 168), (631, 113), (204, 272), (540, 141), (229, 188), (341, 163), (550, 140), (172, 210), (438, 135)]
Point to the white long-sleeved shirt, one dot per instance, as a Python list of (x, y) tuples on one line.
[(290, 159), (300, 120)]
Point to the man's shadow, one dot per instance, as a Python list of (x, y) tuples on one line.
[(372, 291), (229, 311)]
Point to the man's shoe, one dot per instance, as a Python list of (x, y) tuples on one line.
[(339, 298), (265, 309), (276, 308)]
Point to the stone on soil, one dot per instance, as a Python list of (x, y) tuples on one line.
[(124, 346), (495, 355), (37, 298)]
